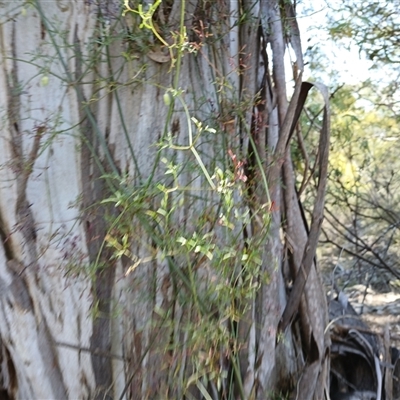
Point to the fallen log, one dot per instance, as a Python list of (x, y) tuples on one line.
[(363, 364)]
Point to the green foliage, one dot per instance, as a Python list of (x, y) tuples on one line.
[(373, 25), (213, 277), (215, 273)]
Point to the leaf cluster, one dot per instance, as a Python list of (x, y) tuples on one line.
[(374, 26)]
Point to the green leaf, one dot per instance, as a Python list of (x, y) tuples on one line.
[(181, 240)]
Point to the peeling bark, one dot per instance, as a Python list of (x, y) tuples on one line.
[(85, 120)]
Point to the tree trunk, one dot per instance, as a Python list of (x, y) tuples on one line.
[(143, 202)]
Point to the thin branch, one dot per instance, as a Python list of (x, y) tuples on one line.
[(96, 352)]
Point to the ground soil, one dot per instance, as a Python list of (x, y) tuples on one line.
[(373, 293)]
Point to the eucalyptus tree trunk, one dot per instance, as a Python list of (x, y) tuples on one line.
[(148, 214)]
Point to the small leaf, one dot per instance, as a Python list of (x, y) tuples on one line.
[(181, 240), (230, 254), (44, 81), (162, 212), (167, 99)]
